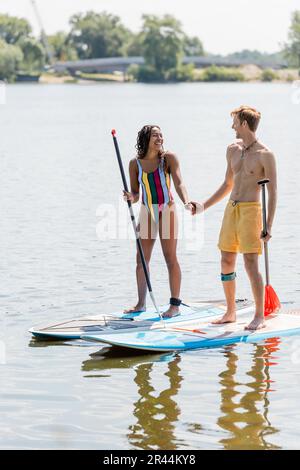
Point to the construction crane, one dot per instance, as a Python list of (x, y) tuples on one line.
[(43, 34)]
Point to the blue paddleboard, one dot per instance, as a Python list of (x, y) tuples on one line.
[(202, 334)]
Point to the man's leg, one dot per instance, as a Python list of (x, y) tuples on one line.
[(257, 285), (228, 261)]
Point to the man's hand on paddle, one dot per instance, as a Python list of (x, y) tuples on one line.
[(267, 237)]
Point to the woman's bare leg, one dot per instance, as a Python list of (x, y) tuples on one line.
[(148, 234), (168, 231)]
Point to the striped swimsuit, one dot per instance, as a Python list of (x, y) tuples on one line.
[(156, 193)]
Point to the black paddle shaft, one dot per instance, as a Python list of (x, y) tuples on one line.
[(263, 183), (138, 240)]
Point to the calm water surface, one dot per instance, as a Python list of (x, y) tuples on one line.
[(57, 168)]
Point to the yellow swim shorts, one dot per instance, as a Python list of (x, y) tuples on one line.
[(241, 228)]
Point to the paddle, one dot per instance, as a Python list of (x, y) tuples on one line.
[(272, 303), (137, 236)]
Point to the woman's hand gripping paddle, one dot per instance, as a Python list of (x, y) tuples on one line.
[(272, 303), (137, 236)]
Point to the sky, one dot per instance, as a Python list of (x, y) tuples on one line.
[(224, 26)]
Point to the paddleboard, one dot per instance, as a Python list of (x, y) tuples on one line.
[(117, 322), (202, 334)]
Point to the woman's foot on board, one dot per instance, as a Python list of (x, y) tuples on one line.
[(173, 311), (257, 323), (229, 317), (139, 308)]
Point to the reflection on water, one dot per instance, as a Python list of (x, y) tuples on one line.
[(156, 413), (246, 387), (245, 415), (109, 358)]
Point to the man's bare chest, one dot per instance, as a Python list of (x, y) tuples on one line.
[(249, 165)]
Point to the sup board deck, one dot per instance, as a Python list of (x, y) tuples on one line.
[(119, 322), (202, 334)]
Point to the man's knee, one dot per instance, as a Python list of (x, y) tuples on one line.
[(228, 261)]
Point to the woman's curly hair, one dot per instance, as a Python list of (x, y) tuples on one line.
[(143, 139)]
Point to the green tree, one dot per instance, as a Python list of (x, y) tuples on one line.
[(95, 35), (10, 58), (13, 29), (61, 48), (134, 46), (293, 46), (192, 46), (34, 55), (162, 44)]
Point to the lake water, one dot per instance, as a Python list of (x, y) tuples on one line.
[(57, 169)]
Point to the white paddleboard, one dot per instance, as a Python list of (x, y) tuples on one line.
[(202, 334), (117, 322)]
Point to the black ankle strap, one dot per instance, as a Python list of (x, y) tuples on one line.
[(175, 302)]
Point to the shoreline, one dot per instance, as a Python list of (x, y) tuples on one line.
[(251, 73)]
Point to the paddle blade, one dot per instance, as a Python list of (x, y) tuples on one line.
[(272, 303)]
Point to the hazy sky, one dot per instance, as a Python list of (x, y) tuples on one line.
[(223, 25)]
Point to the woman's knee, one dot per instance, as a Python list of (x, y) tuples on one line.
[(139, 263), (171, 260)]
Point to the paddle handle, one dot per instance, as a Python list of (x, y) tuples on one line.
[(138, 240), (263, 184)]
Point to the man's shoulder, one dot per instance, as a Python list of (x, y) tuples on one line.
[(265, 152), (238, 143), (234, 146)]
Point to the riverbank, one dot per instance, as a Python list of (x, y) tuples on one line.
[(245, 73)]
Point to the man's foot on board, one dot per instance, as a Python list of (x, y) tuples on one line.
[(137, 309), (229, 317), (172, 311), (256, 324)]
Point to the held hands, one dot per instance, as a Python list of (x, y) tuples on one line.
[(195, 207), (189, 206)]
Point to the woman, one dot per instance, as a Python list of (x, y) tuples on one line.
[(151, 170)]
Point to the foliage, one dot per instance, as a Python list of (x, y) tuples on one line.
[(13, 29), (96, 35), (61, 48), (192, 46), (146, 73), (221, 74), (162, 45), (10, 58), (268, 75), (292, 49), (183, 73), (34, 55)]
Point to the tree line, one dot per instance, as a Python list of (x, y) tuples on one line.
[(161, 41)]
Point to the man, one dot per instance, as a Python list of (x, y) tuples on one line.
[(248, 161)]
